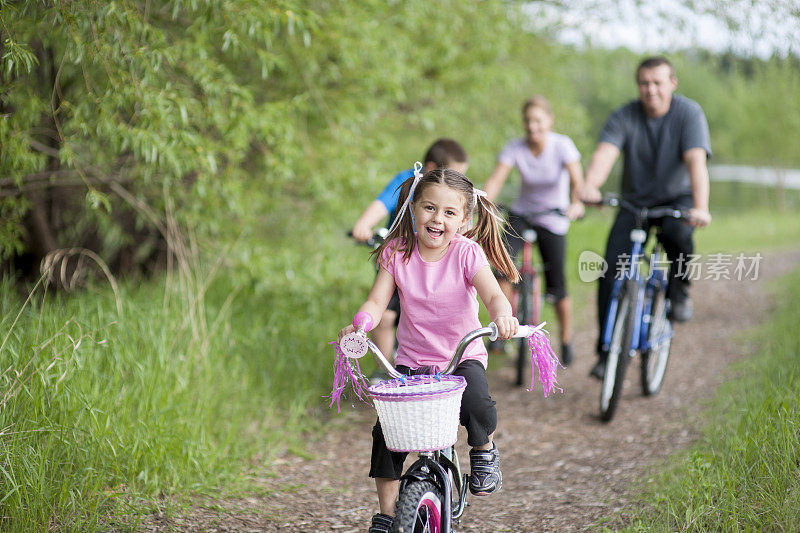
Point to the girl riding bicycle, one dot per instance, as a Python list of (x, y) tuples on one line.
[(438, 272), (551, 175)]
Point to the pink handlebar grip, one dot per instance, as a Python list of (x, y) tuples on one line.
[(363, 320)]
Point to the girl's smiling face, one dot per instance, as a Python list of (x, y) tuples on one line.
[(439, 212)]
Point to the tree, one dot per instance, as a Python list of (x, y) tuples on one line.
[(138, 111), (120, 118)]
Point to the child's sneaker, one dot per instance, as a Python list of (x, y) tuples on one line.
[(485, 476), (381, 523)]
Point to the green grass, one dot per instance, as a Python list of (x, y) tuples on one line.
[(112, 408), (117, 407), (744, 473)]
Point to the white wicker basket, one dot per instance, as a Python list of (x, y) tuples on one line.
[(419, 413)]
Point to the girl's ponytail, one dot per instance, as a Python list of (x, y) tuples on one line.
[(488, 233)]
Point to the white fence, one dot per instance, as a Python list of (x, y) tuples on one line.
[(776, 177)]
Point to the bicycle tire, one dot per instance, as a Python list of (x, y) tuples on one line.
[(419, 508), (525, 315), (617, 359), (659, 340)]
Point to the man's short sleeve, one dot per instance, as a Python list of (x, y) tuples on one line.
[(614, 131), (694, 133)]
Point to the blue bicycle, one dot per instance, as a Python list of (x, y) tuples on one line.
[(637, 319)]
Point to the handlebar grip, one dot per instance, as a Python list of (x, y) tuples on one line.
[(522, 330), (527, 331), (363, 320)]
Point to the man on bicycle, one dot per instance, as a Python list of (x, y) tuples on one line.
[(665, 142)]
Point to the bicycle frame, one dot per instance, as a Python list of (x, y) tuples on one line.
[(529, 236), (527, 302), (633, 281)]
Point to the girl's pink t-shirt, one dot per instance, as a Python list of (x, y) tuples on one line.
[(439, 304)]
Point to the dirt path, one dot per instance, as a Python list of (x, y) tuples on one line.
[(562, 468)]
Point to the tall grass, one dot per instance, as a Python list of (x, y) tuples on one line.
[(744, 474), (113, 399)]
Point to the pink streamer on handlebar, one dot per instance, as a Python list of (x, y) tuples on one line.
[(545, 361), (344, 376)]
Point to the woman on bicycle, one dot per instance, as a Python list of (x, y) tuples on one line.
[(438, 272), (549, 165)]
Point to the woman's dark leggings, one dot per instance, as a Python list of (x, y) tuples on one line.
[(552, 248)]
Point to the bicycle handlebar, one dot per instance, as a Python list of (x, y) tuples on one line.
[(487, 331), (615, 200), (373, 242), (530, 216)]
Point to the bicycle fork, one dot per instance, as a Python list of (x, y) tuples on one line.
[(632, 286), (426, 468)]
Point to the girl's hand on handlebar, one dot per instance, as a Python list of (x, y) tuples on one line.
[(350, 328), (506, 326)]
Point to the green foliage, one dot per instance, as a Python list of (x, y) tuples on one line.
[(751, 106), (152, 97), (17, 58), (183, 110), (742, 476)]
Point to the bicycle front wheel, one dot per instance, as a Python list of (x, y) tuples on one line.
[(419, 509), (617, 360), (659, 340)]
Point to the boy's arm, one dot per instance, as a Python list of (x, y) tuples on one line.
[(374, 213), (496, 303), (377, 300)]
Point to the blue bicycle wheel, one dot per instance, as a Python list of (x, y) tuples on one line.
[(618, 358), (659, 341)]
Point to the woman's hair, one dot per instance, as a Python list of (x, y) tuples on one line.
[(539, 101), (487, 231)]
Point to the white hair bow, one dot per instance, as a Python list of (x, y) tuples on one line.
[(402, 211), (477, 194)]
